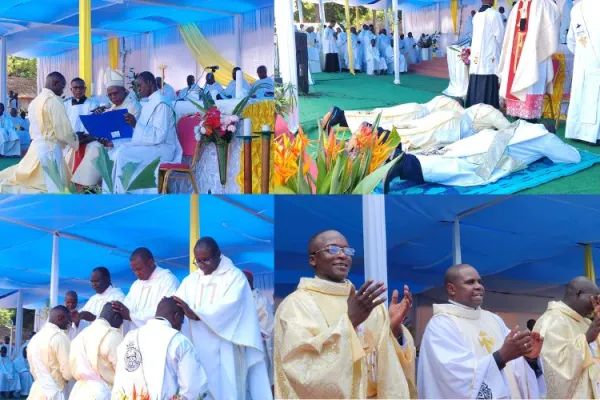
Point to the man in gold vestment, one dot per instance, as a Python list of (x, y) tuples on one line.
[(333, 341), (568, 359)]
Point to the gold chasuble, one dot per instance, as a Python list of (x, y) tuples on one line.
[(319, 354), (570, 368)]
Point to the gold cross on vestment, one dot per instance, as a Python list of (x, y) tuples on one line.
[(486, 341), (583, 41)]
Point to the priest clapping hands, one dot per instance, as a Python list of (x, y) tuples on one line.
[(521, 344), (399, 310), (361, 303)]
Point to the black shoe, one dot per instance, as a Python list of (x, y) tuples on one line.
[(392, 174), (331, 119)]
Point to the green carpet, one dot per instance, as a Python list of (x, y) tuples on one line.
[(366, 92)]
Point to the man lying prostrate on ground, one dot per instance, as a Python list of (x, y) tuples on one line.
[(390, 116), (483, 158)]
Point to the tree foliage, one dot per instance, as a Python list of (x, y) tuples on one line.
[(6, 315), (22, 67), (337, 12)]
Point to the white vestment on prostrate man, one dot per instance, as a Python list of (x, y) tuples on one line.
[(9, 378), (22, 369), (93, 360), (490, 155), (154, 136), (158, 360), (583, 120), (10, 144), (96, 302), (456, 358), (227, 337), (266, 319), (144, 296)]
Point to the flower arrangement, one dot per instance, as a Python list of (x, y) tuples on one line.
[(429, 41), (145, 396), (356, 167), (465, 55)]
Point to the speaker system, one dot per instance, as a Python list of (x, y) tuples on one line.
[(302, 61)]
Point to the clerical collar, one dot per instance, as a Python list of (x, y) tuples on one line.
[(484, 7), (461, 305), (79, 102)]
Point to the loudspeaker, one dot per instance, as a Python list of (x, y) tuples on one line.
[(302, 61)]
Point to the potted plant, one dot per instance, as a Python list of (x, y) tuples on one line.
[(427, 43)]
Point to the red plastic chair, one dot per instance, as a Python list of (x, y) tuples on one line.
[(190, 147)]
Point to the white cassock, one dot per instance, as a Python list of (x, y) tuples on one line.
[(144, 296), (266, 319), (488, 35), (314, 52), (456, 361), (169, 92), (22, 369), (413, 50), (9, 378), (10, 145), (268, 87), (95, 304), (230, 89), (356, 52), (329, 42), (342, 42), (75, 110), (154, 136), (158, 360), (374, 61), (583, 120), (383, 41), (93, 361), (227, 337), (10, 349), (23, 134), (490, 155), (389, 57)]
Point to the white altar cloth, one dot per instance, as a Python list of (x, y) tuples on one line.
[(458, 72)]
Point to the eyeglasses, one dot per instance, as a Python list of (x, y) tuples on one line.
[(206, 261), (335, 250)]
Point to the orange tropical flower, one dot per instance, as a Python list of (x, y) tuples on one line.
[(381, 152), (287, 157), (332, 148)]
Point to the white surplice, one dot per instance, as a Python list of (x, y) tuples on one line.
[(9, 378), (456, 358), (76, 110), (583, 120), (490, 155), (488, 35), (154, 136), (96, 302), (266, 319), (25, 378), (158, 360), (144, 296), (10, 144), (329, 45), (227, 337), (93, 360)]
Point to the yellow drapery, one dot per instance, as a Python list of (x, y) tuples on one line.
[(557, 92), (496, 4), (349, 37), (206, 54), (85, 43), (454, 10), (194, 227), (589, 263), (262, 113), (113, 53)]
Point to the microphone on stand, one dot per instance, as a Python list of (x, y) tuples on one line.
[(214, 67)]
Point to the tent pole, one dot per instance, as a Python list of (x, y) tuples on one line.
[(456, 250), (396, 43), (374, 238), (322, 13), (194, 227), (19, 328), (349, 37), (386, 14), (300, 12), (588, 258), (238, 39), (85, 44), (3, 72), (54, 272)]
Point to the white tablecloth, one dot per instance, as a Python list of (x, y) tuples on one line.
[(459, 74)]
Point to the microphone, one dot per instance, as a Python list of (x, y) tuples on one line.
[(214, 67)]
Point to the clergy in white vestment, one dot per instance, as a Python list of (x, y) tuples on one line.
[(10, 348), (24, 373), (50, 130), (78, 105), (583, 120), (159, 361), (266, 319), (77, 325), (468, 28), (486, 46), (330, 48), (264, 83), (192, 90), (167, 92), (9, 378), (376, 63), (356, 50), (10, 145), (469, 353), (213, 87), (414, 56), (152, 285), (526, 62), (93, 356), (342, 43), (223, 325), (389, 57), (230, 89), (21, 128), (105, 293), (485, 157), (383, 41), (86, 173), (48, 356), (154, 135)]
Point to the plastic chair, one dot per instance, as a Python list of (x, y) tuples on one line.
[(190, 147)]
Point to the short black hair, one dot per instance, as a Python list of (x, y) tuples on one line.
[(78, 80), (142, 253), (210, 243), (147, 76), (103, 270)]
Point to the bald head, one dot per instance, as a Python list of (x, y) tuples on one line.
[(108, 314), (578, 295), (169, 310), (56, 82), (452, 273), (60, 316), (316, 242)]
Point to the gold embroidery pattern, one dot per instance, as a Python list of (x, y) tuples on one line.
[(486, 341)]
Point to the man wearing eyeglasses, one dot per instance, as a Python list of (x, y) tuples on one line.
[(223, 324), (333, 341)]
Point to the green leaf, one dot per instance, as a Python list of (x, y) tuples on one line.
[(53, 171), (105, 166), (303, 186), (367, 185), (278, 189), (127, 174), (198, 106), (146, 179), (321, 169), (336, 174), (376, 123)]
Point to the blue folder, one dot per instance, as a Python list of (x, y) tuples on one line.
[(109, 125)]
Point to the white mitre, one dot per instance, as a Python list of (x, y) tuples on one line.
[(114, 77)]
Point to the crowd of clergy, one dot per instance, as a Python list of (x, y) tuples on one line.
[(208, 337), (371, 52), (15, 376), (62, 149), (14, 131), (337, 340)]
